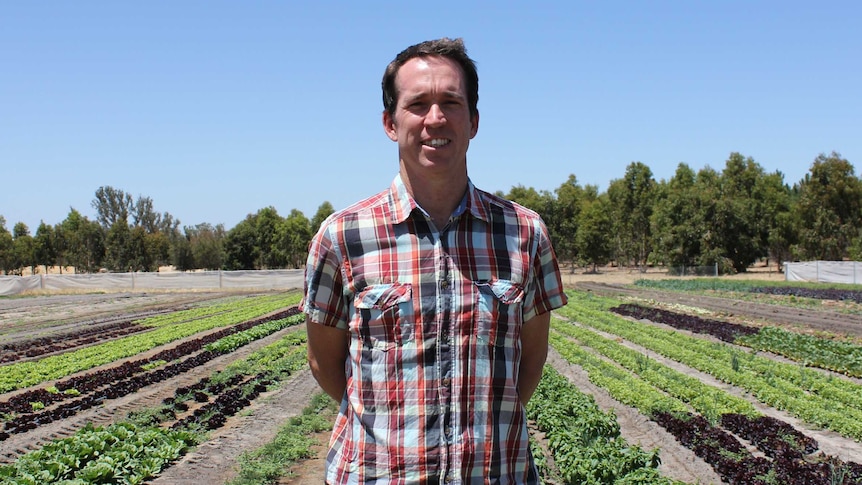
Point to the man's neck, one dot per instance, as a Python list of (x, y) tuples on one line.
[(439, 197)]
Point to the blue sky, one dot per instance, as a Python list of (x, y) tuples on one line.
[(216, 109)]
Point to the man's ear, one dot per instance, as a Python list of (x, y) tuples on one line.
[(474, 125), (389, 126)]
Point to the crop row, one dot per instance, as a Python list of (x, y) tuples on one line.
[(701, 433), (816, 293), (120, 453), (819, 399), (131, 377), (705, 399), (584, 441), (15, 351), (810, 291), (25, 374), (180, 421), (221, 306), (95, 333), (834, 355)]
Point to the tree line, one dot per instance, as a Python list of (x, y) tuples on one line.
[(729, 219)]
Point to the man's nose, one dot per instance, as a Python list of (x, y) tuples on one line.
[(435, 115)]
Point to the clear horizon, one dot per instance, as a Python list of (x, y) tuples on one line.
[(216, 110)]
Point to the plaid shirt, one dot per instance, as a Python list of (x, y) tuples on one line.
[(435, 320)]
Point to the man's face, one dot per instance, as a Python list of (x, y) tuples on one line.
[(432, 123)]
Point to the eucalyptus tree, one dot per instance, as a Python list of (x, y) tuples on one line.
[(294, 234), (206, 243), (564, 219), (631, 202), (676, 223), (830, 208), (324, 210), (83, 242), (745, 212), (22, 249), (119, 253), (6, 248), (112, 205), (267, 222), (593, 243), (240, 245), (45, 246)]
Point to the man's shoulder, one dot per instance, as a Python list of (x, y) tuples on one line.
[(496, 203), (361, 208)]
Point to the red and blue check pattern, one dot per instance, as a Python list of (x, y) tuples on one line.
[(434, 318)]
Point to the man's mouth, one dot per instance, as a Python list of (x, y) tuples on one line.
[(436, 142)]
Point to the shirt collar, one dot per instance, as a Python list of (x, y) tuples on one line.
[(402, 203)]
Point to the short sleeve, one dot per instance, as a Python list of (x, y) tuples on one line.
[(323, 297), (545, 288)]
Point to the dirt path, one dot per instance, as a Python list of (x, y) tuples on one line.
[(799, 318), (214, 462), (117, 409), (677, 461)]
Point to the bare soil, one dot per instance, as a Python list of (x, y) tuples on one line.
[(215, 461)]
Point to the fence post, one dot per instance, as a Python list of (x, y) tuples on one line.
[(716, 269), (219, 279)]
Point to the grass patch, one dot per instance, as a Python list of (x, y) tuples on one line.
[(292, 444)]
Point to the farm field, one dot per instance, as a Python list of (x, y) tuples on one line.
[(645, 383)]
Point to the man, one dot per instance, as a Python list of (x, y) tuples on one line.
[(429, 303)]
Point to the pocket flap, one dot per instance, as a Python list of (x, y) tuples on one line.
[(506, 291), (381, 297)]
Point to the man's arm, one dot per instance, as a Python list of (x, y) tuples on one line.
[(534, 352), (327, 353)]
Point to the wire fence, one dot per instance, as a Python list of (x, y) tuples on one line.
[(693, 270), (200, 280)]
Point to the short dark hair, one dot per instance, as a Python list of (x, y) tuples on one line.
[(445, 47)]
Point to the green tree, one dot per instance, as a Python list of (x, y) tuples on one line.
[(323, 211), (593, 242), (745, 211), (240, 245), (713, 212), (7, 244), (778, 208), (22, 249), (182, 257), (830, 197), (119, 252), (295, 234), (206, 243), (45, 246), (676, 221), (526, 196), (84, 242), (562, 218), (267, 222), (632, 198), (112, 205)]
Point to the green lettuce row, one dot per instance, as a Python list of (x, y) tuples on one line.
[(705, 399), (585, 441), (730, 366)]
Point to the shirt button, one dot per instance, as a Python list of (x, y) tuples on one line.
[(444, 284), (447, 381)]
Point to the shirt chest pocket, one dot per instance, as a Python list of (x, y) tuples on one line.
[(384, 316), (499, 314)]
